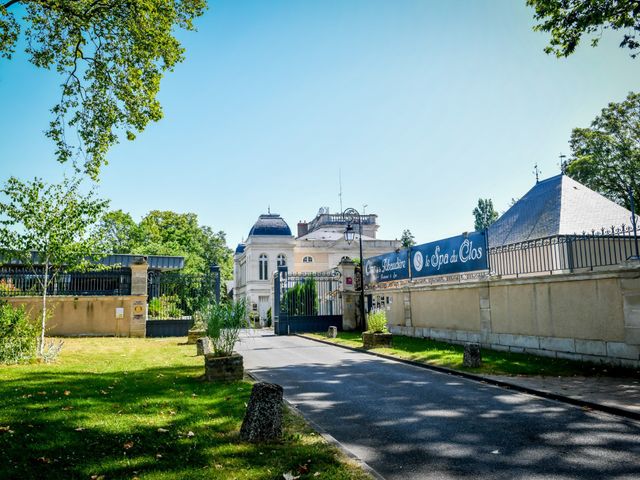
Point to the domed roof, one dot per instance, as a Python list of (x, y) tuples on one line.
[(270, 224), (240, 248)]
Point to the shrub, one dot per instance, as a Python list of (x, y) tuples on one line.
[(165, 306), (377, 322), (18, 336), (223, 323)]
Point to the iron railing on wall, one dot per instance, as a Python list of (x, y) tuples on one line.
[(310, 294), (175, 295), (565, 253), (20, 281)]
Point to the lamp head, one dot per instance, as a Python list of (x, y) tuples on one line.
[(349, 234)]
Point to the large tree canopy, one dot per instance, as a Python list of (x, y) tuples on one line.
[(606, 156), (166, 233), (111, 55), (569, 20)]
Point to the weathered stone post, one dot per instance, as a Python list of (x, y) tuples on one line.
[(349, 295), (332, 332), (263, 420), (138, 322), (203, 346), (472, 357)]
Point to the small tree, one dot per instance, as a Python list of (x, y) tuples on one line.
[(407, 240), (484, 214), (45, 226)]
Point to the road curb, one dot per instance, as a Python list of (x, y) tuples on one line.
[(621, 412)]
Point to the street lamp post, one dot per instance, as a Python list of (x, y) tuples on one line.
[(351, 216)]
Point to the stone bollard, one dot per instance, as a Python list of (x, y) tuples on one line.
[(472, 357), (203, 346), (194, 334), (332, 332), (263, 420)]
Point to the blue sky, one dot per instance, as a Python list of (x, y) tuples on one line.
[(424, 106)]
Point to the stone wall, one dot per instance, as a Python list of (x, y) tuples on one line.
[(90, 315), (591, 316)]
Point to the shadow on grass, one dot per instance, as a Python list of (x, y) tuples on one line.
[(149, 423)]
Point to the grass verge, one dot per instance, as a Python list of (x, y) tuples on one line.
[(115, 408), (493, 362)]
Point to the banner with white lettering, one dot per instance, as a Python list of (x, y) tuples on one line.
[(387, 267), (463, 253)]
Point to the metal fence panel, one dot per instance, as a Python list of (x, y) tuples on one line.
[(21, 281)]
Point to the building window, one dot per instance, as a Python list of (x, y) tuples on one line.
[(282, 260), (263, 267), (345, 259), (307, 259)]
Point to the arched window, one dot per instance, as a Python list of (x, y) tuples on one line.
[(307, 259), (263, 267), (282, 260), (345, 259)]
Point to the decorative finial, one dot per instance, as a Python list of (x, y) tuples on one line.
[(537, 171), (269, 209), (563, 164)]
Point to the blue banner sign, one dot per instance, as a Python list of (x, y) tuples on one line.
[(387, 267), (463, 253)]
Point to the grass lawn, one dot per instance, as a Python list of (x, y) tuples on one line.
[(493, 362), (134, 408)]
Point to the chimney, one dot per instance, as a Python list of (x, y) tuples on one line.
[(303, 228)]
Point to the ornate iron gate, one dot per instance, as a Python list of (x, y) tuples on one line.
[(174, 297), (306, 302)]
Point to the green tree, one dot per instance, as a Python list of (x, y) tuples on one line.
[(606, 156), (166, 233), (171, 233), (117, 232), (216, 251), (484, 214), (407, 239), (46, 227), (111, 56), (569, 20)]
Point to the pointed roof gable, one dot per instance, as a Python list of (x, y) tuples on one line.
[(556, 206)]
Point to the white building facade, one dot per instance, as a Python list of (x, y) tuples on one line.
[(319, 246)]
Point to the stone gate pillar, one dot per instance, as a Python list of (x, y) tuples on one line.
[(138, 298), (349, 295)]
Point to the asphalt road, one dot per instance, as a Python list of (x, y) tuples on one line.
[(410, 423)]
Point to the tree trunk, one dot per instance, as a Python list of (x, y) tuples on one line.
[(44, 308)]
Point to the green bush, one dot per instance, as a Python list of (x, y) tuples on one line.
[(165, 307), (18, 336), (223, 323), (377, 322)]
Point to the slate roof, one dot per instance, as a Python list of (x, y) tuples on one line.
[(240, 248), (556, 206), (270, 224)]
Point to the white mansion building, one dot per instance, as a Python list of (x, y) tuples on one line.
[(319, 246)]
